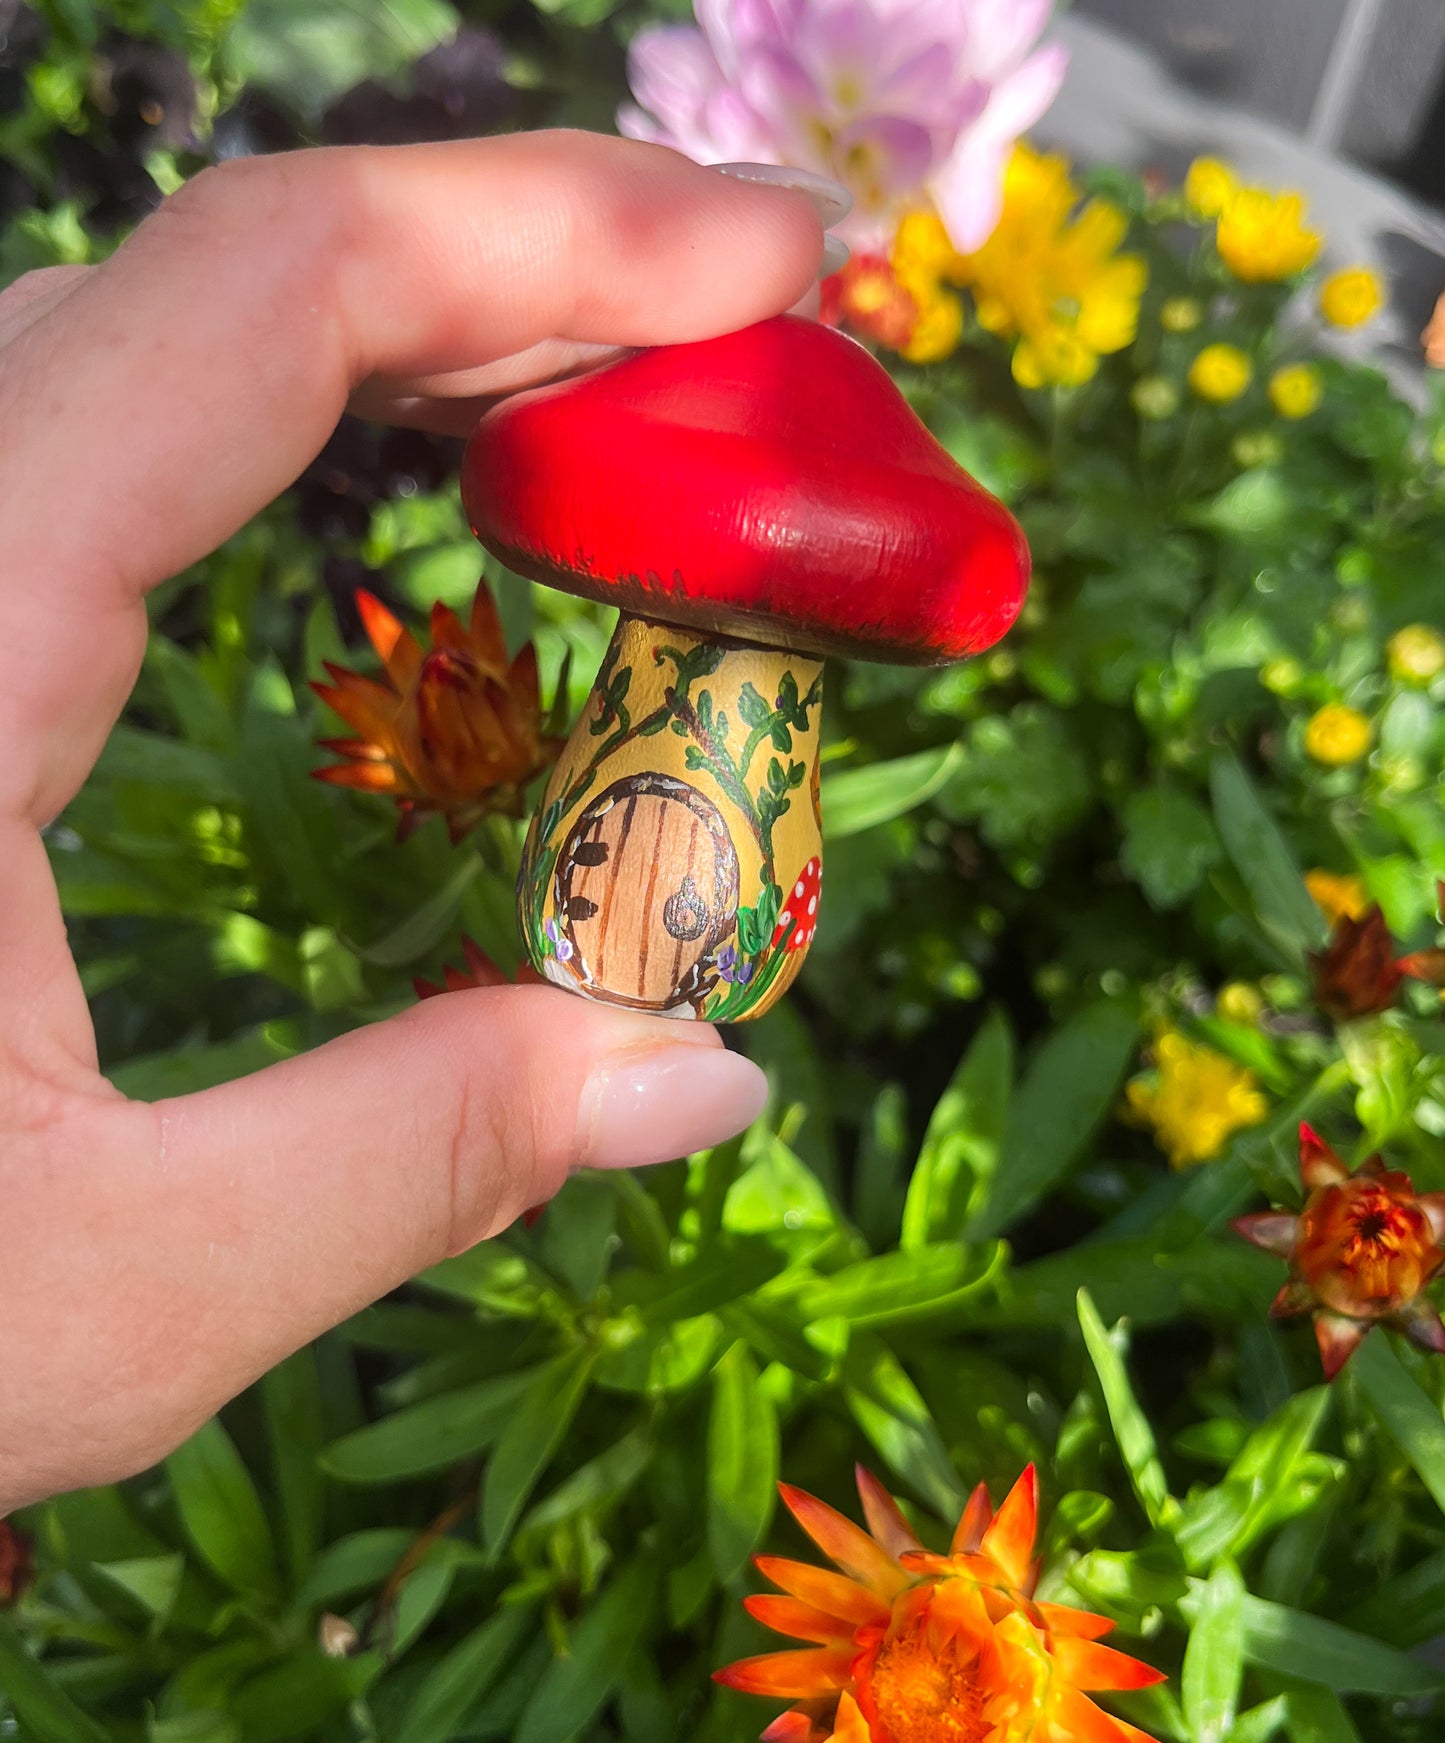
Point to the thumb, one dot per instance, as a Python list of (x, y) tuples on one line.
[(215, 1233)]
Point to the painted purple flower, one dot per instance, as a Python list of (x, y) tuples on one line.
[(906, 102), (561, 947), (732, 969)]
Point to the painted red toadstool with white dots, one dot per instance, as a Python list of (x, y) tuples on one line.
[(801, 908)]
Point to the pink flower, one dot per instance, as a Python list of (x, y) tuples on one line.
[(906, 102)]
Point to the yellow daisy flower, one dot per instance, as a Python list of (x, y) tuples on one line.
[(1220, 373), (1262, 237), (1195, 1099), (1296, 390), (1349, 298), (1209, 186), (1050, 278), (1337, 734)]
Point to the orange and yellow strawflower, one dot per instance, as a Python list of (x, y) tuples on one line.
[(455, 732), (1360, 1252), (906, 1646)]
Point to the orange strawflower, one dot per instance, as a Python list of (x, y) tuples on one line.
[(1358, 974), (456, 732), (1360, 1252), (480, 971), (912, 1647)]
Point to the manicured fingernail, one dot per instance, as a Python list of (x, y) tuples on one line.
[(654, 1104), (836, 255), (831, 199)]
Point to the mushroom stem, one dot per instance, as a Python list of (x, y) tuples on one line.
[(673, 864)]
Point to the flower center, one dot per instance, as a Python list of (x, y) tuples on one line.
[(919, 1691)]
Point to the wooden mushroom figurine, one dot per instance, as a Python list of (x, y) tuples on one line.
[(752, 503)]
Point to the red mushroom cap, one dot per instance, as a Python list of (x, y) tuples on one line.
[(771, 484), (801, 907)]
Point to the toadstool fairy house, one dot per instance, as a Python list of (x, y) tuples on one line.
[(751, 503)]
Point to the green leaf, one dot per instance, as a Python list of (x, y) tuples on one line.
[(600, 1645), (462, 1677), (1295, 1644), (426, 926), (1317, 1715), (291, 1401), (1070, 1086), (1214, 1658), (534, 1430), (899, 1287), (222, 1513), (961, 1144), (292, 1698), (742, 1462), (859, 799), (428, 1436), (594, 1485), (1131, 1427), (1411, 1418), (1256, 504), (1265, 861), (1170, 842), (202, 1727), (310, 51), (46, 1712), (890, 1410), (152, 1580), (1261, 1723), (421, 1594)]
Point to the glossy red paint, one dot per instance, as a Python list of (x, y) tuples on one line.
[(772, 484)]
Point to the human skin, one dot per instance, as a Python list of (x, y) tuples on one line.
[(157, 1257)]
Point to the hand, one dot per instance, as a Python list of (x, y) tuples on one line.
[(158, 1257)]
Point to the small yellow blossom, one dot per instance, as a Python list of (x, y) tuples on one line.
[(1239, 1002), (937, 330), (1337, 895), (1296, 390), (1416, 654), (1220, 373), (1209, 186), (1337, 734), (1050, 278), (1180, 314), (1195, 1099), (1257, 448), (1351, 297), (1262, 238), (1154, 397)]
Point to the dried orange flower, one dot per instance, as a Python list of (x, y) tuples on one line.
[(1360, 1252), (911, 1647), (1358, 973), (456, 732), (866, 297), (17, 1564), (480, 971)]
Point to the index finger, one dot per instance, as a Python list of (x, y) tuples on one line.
[(164, 400)]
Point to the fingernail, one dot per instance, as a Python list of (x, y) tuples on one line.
[(655, 1104), (831, 199), (836, 255)]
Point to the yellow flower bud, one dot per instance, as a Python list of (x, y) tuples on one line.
[(1239, 1002), (1220, 373), (1154, 397), (1416, 654), (1180, 314), (1209, 186), (1337, 735), (1351, 297), (1296, 390)]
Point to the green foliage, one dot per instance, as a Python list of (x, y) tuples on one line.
[(517, 1499)]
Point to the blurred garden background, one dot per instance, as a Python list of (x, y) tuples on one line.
[(1111, 913)]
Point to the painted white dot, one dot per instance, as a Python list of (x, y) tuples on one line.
[(798, 887), (812, 904)]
